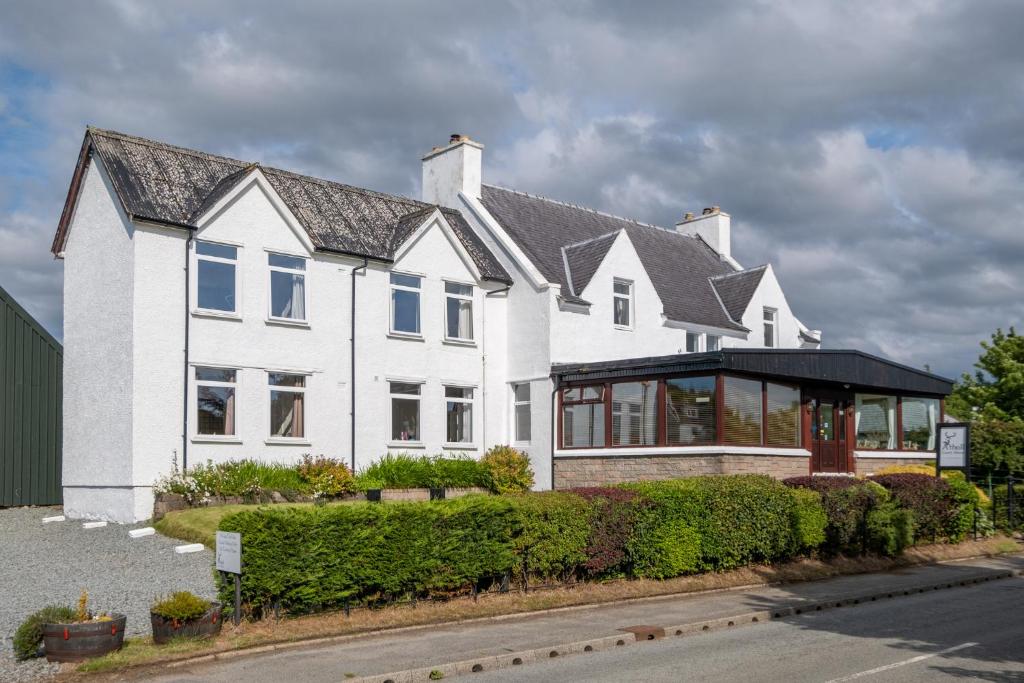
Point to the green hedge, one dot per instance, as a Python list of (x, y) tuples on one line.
[(313, 558)]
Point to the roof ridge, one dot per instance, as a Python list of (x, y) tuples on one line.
[(350, 188), (586, 208), (149, 142)]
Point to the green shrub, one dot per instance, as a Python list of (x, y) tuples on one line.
[(890, 529), (808, 521), (29, 635), (325, 477), (404, 471), (455, 473), (942, 508), (612, 519), (508, 470), (180, 606), (551, 534)]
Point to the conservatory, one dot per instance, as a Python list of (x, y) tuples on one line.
[(783, 412)]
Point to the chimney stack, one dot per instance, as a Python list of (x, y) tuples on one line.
[(451, 170), (713, 226)]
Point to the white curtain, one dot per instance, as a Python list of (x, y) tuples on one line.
[(465, 319), (296, 307), (933, 410)]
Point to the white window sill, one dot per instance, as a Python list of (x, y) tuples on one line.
[(623, 328), (905, 455), (521, 444), (459, 447), (406, 444), (459, 342), (285, 322), (285, 441), (407, 336), (221, 315), (213, 438)]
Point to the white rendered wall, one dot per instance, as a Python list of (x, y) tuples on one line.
[(98, 348), (768, 295)]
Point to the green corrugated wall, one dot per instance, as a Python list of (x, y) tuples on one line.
[(31, 366)]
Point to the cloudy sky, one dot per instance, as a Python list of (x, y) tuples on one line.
[(872, 151)]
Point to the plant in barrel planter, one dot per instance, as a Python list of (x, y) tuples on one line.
[(184, 615), (68, 634)]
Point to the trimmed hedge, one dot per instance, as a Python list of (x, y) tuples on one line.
[(312, 558), (942, 508), (860, 516)]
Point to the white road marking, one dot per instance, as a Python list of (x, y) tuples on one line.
[(896, 665)]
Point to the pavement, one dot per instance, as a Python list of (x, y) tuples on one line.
[(46, 564), (856, 608)]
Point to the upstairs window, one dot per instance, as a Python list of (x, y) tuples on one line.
[(692, 342), (215, 401), (459, 414), (405, 303), (521, 395), (771, 328), (583, 417), (622, 302), (714, 342), (287, 287), (287, 405), (216, 273), (458, 311)]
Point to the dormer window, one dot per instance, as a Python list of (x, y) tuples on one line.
[(771, 328), (622, 302), (692, 342)]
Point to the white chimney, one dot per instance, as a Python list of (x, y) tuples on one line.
[(712, 226), (452, 169)]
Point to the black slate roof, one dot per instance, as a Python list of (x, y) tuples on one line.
[(583, 259), (736, 289), (174, 185), (679, 265)]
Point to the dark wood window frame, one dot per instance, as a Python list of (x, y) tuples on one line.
[(662, 420), (899, 396)]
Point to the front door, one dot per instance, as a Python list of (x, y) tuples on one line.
[(828, 434)]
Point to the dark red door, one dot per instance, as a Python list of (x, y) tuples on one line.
[(828, 434)]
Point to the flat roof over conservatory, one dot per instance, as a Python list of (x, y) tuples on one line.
[(856, 369)]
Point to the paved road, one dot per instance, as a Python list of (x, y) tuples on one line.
[(821, 647), (974, 633)]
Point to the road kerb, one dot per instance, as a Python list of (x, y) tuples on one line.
[(503, 661)]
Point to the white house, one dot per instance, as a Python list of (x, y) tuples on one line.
[(219, 309)]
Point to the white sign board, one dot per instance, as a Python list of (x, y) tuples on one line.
[(953, 440), (229, 552)]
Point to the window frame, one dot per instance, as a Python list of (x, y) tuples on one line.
[(470, 444), (418, 397), (707, 342), (282, 388), (304, 272), (196, 384), (471, 298), (630, 298), (697, 339), (236, 263), (392, 286), (773, 323), (604, 400), (516, 404), (897, 428)]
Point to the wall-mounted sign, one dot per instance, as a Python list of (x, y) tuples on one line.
[(229, 552), (953, 447)]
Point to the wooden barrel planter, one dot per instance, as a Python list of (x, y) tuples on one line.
[(78, 642), (206, 626)]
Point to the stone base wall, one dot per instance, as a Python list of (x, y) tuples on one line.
[(866, 466), (571, 472)]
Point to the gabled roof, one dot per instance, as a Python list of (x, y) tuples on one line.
[(583, 259), (172, 185), (678, 265), (736, 289)]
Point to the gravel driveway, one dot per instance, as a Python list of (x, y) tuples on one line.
[(42, 564)]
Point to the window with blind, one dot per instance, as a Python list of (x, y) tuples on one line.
[(783, 415), (635, 414), (583, 417), (741, 420), (690, 411)]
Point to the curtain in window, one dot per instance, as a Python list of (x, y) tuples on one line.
[(297, 306), (229, 414), (876, 421), (919, 415)]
